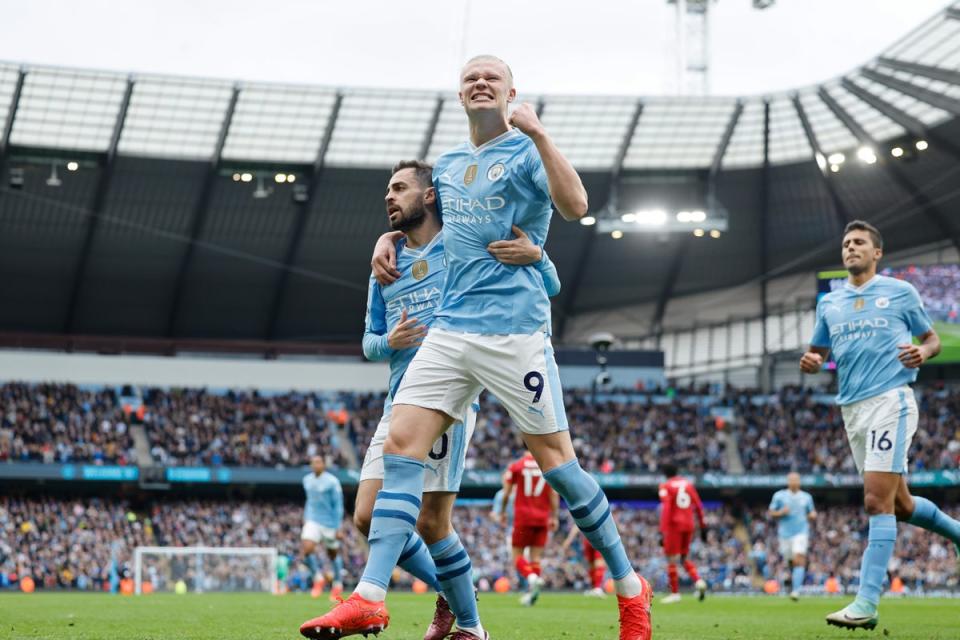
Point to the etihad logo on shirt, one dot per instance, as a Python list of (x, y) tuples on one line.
[(859, 325), (862, 329), (414, 301), (473, 205)]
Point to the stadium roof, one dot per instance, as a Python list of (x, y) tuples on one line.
[(157, 234)]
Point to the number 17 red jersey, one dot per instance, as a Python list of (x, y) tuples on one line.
[(679, 502), (532, 504)]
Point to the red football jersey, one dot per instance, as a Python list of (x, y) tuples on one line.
[(531, 508), (679, 501)]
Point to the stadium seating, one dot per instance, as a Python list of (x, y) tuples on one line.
[(792, 429), (66, 543)]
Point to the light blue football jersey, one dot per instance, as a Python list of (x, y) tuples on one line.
[(324, 499), (482, 192), (418, 290), (862, 326), (794, 523)]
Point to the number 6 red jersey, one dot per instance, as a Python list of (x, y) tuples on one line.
[(679, 501), (532, 505)]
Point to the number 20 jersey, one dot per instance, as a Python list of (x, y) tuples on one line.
[(531, 506)]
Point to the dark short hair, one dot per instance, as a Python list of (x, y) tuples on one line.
[(669, 469), (423, 171), (862, 225)]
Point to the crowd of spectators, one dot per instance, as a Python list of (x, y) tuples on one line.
[(241, 428), (938, 286), (791, 429), (87, 543), (923, 561), (62, 423), (797, 429)]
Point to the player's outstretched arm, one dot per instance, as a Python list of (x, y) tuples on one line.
[(812, 361), (566, 188), (384, 261)]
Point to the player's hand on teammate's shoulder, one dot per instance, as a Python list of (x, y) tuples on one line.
[(911, 355), (811, 362), (524, 117), (384, 261), (518, 251), (408, 333)]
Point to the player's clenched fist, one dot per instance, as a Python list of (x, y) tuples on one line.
[(811, 362), (525, 118), (406, 334)]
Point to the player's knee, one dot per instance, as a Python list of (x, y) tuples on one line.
[(875, 504), (431, 528), (307, 546)]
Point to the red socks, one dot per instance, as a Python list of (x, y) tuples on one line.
[(523, 567), (691, 570), (674, 578), (596, 577)]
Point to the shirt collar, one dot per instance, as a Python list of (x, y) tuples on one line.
[(506, 135), (862, 287)]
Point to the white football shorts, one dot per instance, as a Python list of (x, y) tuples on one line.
[(317, 533), (451, 369), (444, 464), (880, 430), (794, 545)]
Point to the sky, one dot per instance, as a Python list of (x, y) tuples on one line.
[(553, 46)]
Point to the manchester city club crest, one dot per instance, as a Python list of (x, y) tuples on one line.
[(858, 304), (882, 302), (495, 172), (420, 269), (470, 175)]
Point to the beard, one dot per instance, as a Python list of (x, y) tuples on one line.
[(411, 219), (858, 268)]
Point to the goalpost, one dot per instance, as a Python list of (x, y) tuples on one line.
[(201, 569)]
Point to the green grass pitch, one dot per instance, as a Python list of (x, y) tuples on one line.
[(70, 616), (950, 340)]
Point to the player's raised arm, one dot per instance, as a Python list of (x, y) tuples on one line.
[(566, 188)]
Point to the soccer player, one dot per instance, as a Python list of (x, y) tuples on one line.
[(492, 331), (868, 325), (793, 510), (397, 319), (679, 502), (595, 566), (322, 517), (534, 516)]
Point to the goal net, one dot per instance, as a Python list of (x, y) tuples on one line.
[(202, 569)]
